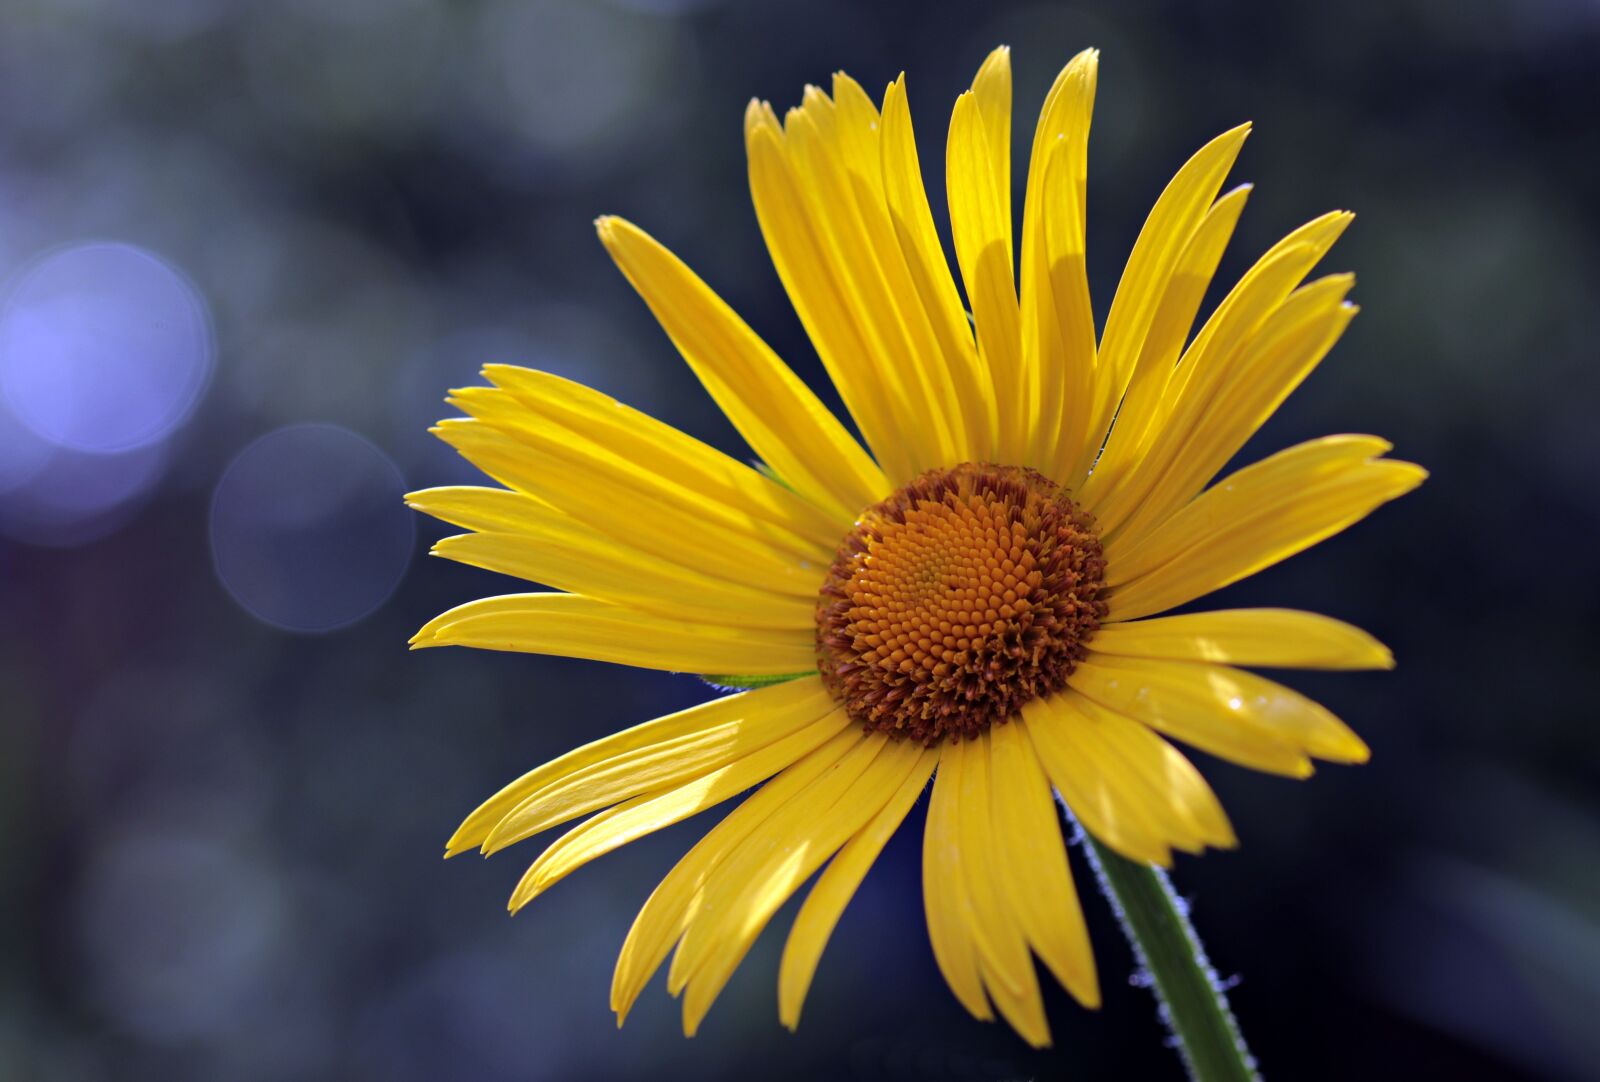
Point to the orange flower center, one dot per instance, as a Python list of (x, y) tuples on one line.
[(961, 597)]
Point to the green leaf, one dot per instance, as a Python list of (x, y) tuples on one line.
[(730, 682)]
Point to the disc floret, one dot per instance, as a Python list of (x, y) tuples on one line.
[(962, 596)]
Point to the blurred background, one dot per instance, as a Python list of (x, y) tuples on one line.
[(245, 249)]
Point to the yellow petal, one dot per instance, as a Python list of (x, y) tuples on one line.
[(1259, 487), (569, 625), (1031, 858), (1066, 256), (646, 813), (1146, 401), (1170, 780), (1003, 959), (522, 536), (805, 694), (628, 507), (998, 949), (907, 201), (788, 826), (1248, 522), (1285, 350), (652, 473), (1135, 792), (842, 163), (1230, 713), (570, 557), (991, 93), (1058, 331), (836, 886), (747, 741), (674, 902), (946, 899), (477, 507), (930, 370), (1156, 256), (1128, 827), (811, 267), (637, 437), (1282, 638), (1273, 277), (980, 223), (1116, 496), (779, 417), (1023, 1008), (776, 860)]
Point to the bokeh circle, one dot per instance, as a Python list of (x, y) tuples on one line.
[(104, 347), (309, 531)]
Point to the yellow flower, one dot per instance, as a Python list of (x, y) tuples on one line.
[(971, 601)]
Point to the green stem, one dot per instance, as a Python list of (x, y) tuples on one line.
[(1192, 1001)]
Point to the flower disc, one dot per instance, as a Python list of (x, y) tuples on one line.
[(958, 599)]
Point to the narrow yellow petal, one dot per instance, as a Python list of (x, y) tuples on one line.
[(1002, 953), (857, 243), (1231, 713), (948, 904), (810, 266), (1126, 826), (1237, 324), (1146, 401), (1023, 1008), (640, 438), (750, 738), (629, 508), (1282, 638), (1134, 776), (1003, 958), (778, 416), (648, 812), (1031, 857), (985, 249), (1288, 346), (567, 556), (569, 625), (1156, 256), (789, 830), (1261, 288), (907, 201), (634, 470), (1259, 487), (835, 887), (478, 507), (1170, 780), (1058, 331), (991, 92), (806, 693), (1211, 550), (1068, 286), (777, 862), (673, 903), (858, 134), (980, 223), (842, 162)]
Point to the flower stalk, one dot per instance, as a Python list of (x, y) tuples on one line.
[(1193, 1002)]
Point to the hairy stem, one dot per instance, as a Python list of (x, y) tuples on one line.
[(1193, 1002)]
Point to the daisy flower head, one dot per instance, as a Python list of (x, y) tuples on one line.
[(972, 599)]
